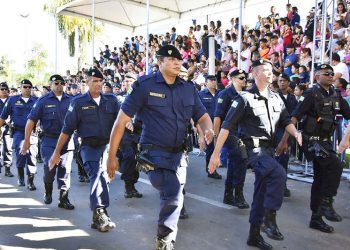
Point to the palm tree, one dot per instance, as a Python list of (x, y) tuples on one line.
[(70, 26)]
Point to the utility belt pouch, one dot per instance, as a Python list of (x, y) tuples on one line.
[(242, 149), (143, 162)]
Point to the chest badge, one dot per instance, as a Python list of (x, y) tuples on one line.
[(157, 94)]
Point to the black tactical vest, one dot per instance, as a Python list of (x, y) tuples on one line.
[(326, 108)]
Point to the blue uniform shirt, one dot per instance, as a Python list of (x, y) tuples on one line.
[(257, 116), (2, 104), (90, 119), (18, 109), (165, 110), (209, 101), (51, 112)]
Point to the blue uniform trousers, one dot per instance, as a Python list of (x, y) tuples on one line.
[(170, 185), (270, 178), (92, 159), (63, 168), (236, 168), (208, 152), (223, 156), (27, 161), (128, 163)]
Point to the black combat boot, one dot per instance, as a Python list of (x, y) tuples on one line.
[(48, 193), (270, 227), (101, 220), (8, 172), (239, 200), (163, 244), (327, 210), (228, 195), (20, 172), (183, 213), (131, 191), (256, 240), (64, 201), (30, 182), (317, 223)]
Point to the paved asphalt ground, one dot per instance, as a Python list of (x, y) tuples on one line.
[(27, 223)]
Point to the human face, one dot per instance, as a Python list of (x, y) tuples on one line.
[(297, 91), (170, 66), (57, 87), (283, 84), (263, 75), (4, 92), (325, 77), (106, 90), (348, 89), (211, 84), (95, 86), (128, 82), (26, 90), (240, 82)]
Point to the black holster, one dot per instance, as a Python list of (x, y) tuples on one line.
[(144, 163)]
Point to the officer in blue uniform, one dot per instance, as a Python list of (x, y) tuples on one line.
[(7, 140), (208, 97), (236, 167), (319, 106), (128, 147), (165, 104), (258, 112), (51, 110), (92, 115), (290, 102), (18, 108)]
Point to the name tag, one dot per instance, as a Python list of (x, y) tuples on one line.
[(18, 103), (50, 106), (157, 94), (88, 107)]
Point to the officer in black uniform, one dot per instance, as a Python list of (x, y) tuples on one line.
[(7, 139), (92, 115), (258, 112), (320, 105), (165, 104), (236, 167)]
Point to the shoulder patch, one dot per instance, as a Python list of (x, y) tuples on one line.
[(130, 90), (220, 100), (301, 98), (70, 109), (234, 104)]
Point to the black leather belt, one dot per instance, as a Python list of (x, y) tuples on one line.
[(55, 136), (94, 141), (19, 129), (161, 148), (258, 143)]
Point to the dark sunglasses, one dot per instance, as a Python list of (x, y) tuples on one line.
[(328, 74), (242, 78), (4, 89), (27, 87), (59, 82)]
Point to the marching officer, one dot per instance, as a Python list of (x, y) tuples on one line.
[(290, 102), (208, 97), (51, 110), (236, 167), (92, 115), (257, 112), (7, 140), (18, 108), (128, 147), (165, 104), (320, 105)]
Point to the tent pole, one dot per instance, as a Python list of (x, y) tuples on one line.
[(240, 34), (147, 38), (93, 32)]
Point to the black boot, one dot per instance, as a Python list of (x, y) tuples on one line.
[(228, 196), (317, 223), (20, 172), (215, 175), (131, 191), (48, 193), (64, 201), (183, 213), (101, 220), (163, 244), (256, 240), (286, 192), (30, 182), (327, 210), (8, 172), (239, 200), (270, 227)]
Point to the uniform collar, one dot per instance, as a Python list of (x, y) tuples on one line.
[(52, 95), (331, 90), (160, 79), (103, 97), (254, 90)]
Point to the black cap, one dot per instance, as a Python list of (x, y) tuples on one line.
[(4, 85), (56, 78), (290, 46), (95, 73), (238, 72), (47, 88), (324, 66), (35, 88), (261, 62), (169, 51), (107, 84), (117, 85), (130, 75), (284, 76), (211, 77), (74, 86), (26, 81)]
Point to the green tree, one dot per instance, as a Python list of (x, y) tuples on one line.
[(37, 63), (70, 26)]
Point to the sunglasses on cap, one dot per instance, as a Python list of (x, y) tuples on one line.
[(59, 82), (26, 87), (328, 74)]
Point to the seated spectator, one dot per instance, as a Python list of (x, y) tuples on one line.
[(340, 68), (338, 31), (264, 49), (340, 84), (289, 60), (298, 90)]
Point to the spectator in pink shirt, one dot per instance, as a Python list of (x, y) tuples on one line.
[(275, 46)]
